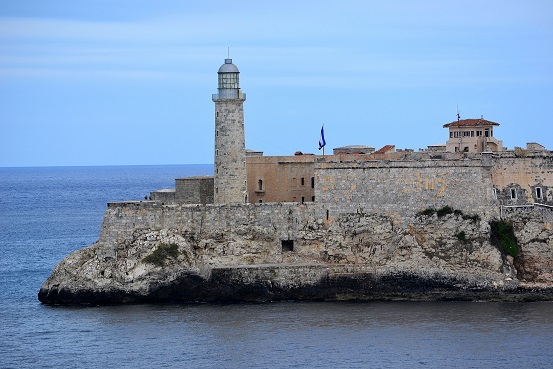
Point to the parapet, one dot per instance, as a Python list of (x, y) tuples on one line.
[(353, 149)]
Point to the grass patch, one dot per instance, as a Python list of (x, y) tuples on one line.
[(162, 253), (502, 235)]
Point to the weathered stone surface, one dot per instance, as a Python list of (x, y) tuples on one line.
[(534, 234), (234, 253)]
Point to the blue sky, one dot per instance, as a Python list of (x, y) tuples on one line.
[(115, 82)]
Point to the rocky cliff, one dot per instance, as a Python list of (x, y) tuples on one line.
[(149, 252)]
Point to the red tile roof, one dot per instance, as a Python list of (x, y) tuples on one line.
[(471, 122), (385, 149)]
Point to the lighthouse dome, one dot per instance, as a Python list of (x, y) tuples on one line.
[(228, 67)]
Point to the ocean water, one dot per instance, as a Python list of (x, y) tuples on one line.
[(46, 213)]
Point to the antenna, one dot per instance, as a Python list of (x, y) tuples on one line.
[(459, 129), (458, 115), (228, 52)]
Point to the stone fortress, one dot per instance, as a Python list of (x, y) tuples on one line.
[(360, 175), (359, 224)]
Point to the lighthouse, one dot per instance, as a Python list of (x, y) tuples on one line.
[(230, 148)]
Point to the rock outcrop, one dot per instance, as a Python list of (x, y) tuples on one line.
[(290, 252)]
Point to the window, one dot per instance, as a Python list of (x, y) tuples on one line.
[(260, 201), (287, 245), (538, 193), (478, 133), (302, 199), (302, 181), (260, 185), (513, 193), (487, 132), (216, 152), (294, 182), (312, 182), (217, 114), (216, 189), (471, 133), (466, 134), (228, 80), (217, 132), (313, 198), (495, 193), (450, 134)]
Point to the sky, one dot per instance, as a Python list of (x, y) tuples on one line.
[(129, 82)]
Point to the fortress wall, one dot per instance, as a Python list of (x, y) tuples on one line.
[(402, 188), (523, 174), (281, 220), (522, 212)]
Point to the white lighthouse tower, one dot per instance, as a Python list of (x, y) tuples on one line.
[(230, 148)]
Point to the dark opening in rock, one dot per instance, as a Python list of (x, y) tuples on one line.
[(287, 245)]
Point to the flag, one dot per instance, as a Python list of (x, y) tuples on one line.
[(322, 141)]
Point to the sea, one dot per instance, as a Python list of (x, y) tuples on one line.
[(48, 212)]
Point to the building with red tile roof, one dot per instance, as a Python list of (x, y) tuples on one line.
[(472, 135)]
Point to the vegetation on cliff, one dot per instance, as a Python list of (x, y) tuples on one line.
[(502, 235), (443, 211), (160, 255)]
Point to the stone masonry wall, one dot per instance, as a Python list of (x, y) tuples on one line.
[(194, 190), (523, 174), (266, 224), (230, 152), (401, 188)]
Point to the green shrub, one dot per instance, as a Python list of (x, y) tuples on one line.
[(444, 211), (427, 211), (161, 254), (474, 217), (461, 236), (502, 235), (449, 210)]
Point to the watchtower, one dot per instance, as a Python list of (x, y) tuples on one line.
[(230, 147)]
